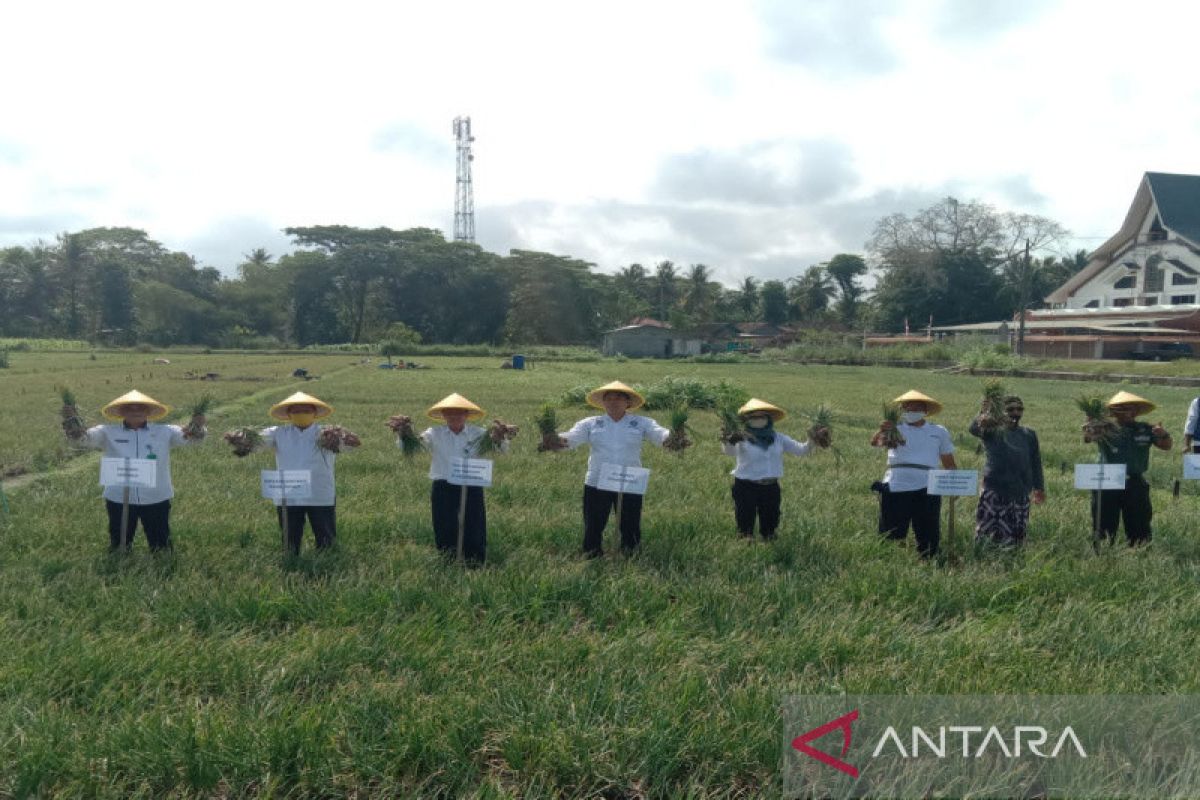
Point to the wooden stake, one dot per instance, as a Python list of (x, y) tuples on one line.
[(1096, 532), (126, 536), (950, 521), (283, 512), (620, 502), (462, 520)]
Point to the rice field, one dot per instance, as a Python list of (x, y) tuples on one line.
[(377, 670)]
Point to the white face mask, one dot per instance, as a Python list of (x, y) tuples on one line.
[(757, 422), (912, 416)]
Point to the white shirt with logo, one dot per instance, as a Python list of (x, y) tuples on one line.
[(297, 449), (446, 446), (923, 445), (756, 463), (614, 442), (154, 442)]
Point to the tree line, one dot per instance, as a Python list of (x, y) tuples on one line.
[(960, 262)]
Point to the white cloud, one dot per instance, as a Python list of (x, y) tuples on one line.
[(745, 137)]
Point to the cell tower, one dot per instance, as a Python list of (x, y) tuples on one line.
[(464, 193)]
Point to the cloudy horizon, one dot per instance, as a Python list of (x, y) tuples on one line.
[(757, 138)]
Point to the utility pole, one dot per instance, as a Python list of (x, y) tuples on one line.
[(1023, 302), (464, 191)]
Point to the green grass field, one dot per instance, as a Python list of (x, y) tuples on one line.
[(377, 670)]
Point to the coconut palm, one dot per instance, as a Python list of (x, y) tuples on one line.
[(812, 291)]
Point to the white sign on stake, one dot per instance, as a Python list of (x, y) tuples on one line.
[(293, 485), (954, 482), (1191, 467), (136, 473), (470, 472), (618, 478), (1099, 476)]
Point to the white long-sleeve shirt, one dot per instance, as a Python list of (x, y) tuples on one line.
[(445, 446), (614, 442), (756, 463), (153, 441), (1189, 426), (297, 449)]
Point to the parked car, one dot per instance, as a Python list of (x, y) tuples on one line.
[(1164, 351)]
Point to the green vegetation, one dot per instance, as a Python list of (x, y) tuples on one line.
[(380, 670)]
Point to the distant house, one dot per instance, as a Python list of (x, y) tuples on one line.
[(649, 338), (723, 336)]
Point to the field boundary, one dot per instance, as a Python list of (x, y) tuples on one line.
[(1099, 377)]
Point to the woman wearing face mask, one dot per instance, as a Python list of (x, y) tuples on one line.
[(904, 500), (301, 446), (759, 450)]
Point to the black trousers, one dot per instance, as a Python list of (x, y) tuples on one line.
[(921, 510), (760, 500), (156, 522), (322, 520), (597, 505), (1132, 503), (444, 499)]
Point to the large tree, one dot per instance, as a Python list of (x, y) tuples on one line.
[(845, 270), (553, 300), (774, 299), (954, 260)]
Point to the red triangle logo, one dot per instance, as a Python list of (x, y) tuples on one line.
[(843, 723)]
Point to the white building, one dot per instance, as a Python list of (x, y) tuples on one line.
[(1152, 264)]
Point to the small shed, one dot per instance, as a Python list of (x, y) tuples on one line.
[(649, 341)]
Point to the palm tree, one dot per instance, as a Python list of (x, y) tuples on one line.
[(812, 291), (748, 297), (665, 290), (701, 292), (633, 281)]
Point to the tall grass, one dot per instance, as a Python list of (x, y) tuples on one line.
[(379, 670)]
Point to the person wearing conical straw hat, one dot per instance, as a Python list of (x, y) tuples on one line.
[(904, 500), (456, 439), (1012, 474), (759, 450), (302, 444), (1130, 445), (135, 432), (614, 437)]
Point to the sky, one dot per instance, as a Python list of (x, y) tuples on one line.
[(755, 137)]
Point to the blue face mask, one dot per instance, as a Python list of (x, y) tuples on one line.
[(763, 437)]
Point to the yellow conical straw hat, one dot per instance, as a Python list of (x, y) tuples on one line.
[(455, 401), (931, 406), (280, 410), (754, 404), (1144, 406), (157, 410), (595, 397)]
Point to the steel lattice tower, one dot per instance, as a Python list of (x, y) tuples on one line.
[(464, 193)]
